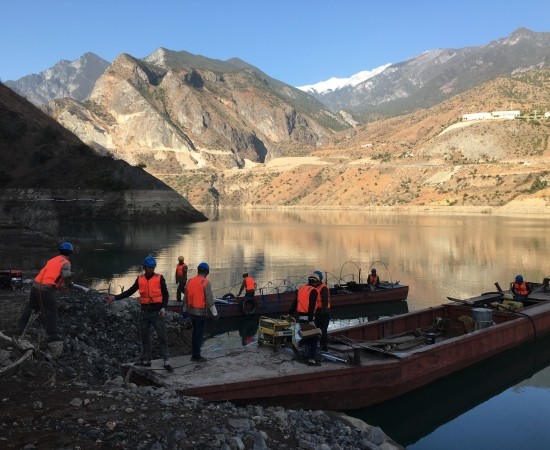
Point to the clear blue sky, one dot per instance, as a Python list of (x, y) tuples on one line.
[(299, 42)]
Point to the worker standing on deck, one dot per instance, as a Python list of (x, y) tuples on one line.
[(248, 285), (198, 300), (181, 277), (322, 310), (520, 289), (153, 298), (305, 303), (373, 280), (42, 297)]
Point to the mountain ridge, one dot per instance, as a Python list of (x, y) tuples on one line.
[(240, 138), (49, 175)]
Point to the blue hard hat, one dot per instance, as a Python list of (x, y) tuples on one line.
[(204, 266), (519, 278), (149, 261), (318, 272), (66, 247)]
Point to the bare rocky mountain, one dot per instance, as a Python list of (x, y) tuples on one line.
[(427, 160), (434, 76), (73, 79), (174, 111), (49, 175), (222, 133)]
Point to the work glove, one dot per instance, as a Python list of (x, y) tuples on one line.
[(109, 298), (161, 312)]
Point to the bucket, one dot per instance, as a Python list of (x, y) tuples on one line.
[(430, 338), (483, 318)]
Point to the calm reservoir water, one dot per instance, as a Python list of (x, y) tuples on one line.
[(504, 404)]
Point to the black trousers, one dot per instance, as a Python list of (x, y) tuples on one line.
[(321, 322), (181, 290), (310, 343), (44, 300)]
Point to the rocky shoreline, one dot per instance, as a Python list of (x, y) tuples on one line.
[(81, 399)]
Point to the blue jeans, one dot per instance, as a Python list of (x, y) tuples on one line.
[(148, 319), (198, 334)]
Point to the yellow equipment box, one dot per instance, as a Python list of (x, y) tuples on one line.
[(276, 332)]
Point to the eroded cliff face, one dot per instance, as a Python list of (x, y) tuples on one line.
[(44, 209), (169, 117), (71, 182)]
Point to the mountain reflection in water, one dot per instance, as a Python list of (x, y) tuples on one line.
[(437, 256)]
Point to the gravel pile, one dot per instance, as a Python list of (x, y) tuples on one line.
[(81, 400)]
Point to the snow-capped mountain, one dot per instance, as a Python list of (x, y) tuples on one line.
[(334, 84)]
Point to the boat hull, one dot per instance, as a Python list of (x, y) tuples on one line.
[(279, 303), (255, 375)]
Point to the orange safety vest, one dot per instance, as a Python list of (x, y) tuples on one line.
[(319, 303), (149, 289), (521, 289), (303, 299), (181, 270), (249, 284), (373, 279), (194, 292), (51, 272)]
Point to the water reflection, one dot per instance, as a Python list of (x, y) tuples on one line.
[(437, 256), (425, 418)]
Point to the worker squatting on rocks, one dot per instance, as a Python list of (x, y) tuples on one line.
[(43, 299), (153, 297), (199, 299)]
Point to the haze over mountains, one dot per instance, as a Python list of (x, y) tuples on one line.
[(223, 133)]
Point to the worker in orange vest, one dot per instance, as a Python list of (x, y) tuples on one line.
[(153, 298), (322, 310), (199, 299), (181, 277), (248, 285), (42, 297), (304, 304), (520, 289), (373, 280)]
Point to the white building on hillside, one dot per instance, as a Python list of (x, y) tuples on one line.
[(506, 114), (492, 115), (547, 115), (477, 116)]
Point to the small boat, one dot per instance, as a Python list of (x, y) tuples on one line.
[(384, 359), (276, 298)]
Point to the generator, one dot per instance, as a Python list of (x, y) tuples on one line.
[(276, 332), (11, 279)]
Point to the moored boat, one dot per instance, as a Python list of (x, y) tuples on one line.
[(276, 298), (385, 358)]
